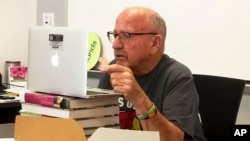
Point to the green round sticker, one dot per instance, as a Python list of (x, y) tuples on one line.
[(94, 48)]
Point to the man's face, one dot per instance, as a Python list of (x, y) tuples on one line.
[(135, 50)]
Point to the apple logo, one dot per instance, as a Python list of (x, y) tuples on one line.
[(54, 60)]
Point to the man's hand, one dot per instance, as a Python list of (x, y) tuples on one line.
[(103, 61), (123, 81)]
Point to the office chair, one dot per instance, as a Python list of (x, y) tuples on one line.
[(220, 99)]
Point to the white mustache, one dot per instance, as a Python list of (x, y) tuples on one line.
[(120, 53)]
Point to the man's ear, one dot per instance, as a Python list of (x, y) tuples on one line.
[(156, 43)]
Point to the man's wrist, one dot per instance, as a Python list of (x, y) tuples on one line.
[(151, 113)]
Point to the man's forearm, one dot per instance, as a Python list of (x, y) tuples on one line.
[(168, 131)]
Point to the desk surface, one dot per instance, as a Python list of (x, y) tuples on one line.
[(7, 139)]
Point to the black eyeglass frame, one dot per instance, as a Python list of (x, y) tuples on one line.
[(128, 34)]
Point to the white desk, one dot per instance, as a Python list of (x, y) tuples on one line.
[(7, 139)]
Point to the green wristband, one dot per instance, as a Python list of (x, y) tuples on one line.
[(149, 114)]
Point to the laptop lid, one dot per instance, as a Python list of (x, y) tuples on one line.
[(57, 60)]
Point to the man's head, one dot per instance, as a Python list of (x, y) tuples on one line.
[(139, 37)]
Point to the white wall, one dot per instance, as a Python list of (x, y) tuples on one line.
[(57, 7), (209, 36), (16, 17)]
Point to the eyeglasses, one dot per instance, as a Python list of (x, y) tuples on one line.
[(125, 36)]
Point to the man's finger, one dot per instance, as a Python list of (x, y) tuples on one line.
[(113, 68), (103, 61)]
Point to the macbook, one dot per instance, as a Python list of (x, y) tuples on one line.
[(57, 62)]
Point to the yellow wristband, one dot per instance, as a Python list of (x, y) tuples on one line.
[(149, 114)]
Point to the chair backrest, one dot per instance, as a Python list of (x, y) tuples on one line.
[(220, 99)]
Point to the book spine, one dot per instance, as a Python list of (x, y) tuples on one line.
[(44, 100)]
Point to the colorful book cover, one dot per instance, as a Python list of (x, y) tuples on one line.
[(18, 77), (44, 100)]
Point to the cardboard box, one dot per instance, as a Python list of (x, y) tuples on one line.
[(29, 128)]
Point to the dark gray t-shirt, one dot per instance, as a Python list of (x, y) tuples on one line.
[(171, 88)]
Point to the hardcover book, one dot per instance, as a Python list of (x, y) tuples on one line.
[(68, 113), (99, 122), (65, 102)]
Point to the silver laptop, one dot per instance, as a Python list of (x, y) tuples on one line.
[(57, 61)]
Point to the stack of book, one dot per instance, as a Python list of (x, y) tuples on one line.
[(90, 113)]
